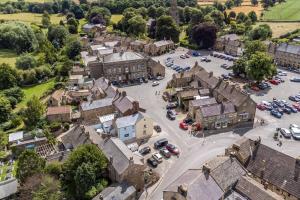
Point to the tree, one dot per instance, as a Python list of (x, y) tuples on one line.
[(252, 15), (152, 11), (136, 26), (26, 61), (9, 76), (5, 109), (260, 66), (239, 67), (57, 35), (252, 47), (46, 20), (262, 32), (78, 12), (160, 11), (241, 17), (267, 3), (254, 2), (65, 67), (33, 113), (218, 17), (85, 167), (237, 2), (14, 92), (166, 28), (3, 140), (17, 36), (49, 189), (29, 163), (99, 15), (73, 49), (229, 4), (219, 6), (72, 25), (204, 35), (196, 16), (232, 14)]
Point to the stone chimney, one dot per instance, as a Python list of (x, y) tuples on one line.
[(124, 94), (297, 169), (183, 189), (136, 106), (210, 74), (131, 160)]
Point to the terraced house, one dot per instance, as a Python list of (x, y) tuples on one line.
[(287, 55)]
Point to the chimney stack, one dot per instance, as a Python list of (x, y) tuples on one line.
[(182, 189), (211, 74), (131, 160), (123, 94)]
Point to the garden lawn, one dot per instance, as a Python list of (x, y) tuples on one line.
[(30, 17), (37, 90), (287, 11), (8, 56)]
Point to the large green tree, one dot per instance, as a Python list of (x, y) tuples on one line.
[(99, 15), (3, 140), (262, 32), (33, 112), (166, 28), (9, 77), (204, 35), (29, 163), (5, 109), (26, 61), (49, 189), (136, 26), (57, 35), (73, 49)]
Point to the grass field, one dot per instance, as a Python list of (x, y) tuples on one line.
[(30, 17), (116, 18), (8, 56), (288, 11), (32, 1), (37, 90), (280, 28)]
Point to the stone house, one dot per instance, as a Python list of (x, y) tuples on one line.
[(102, 88), (117, 192), (155, 69), (93, 28), (125, 105), (56, 99), (185, 96), (91, 110), (137, 45), (59, 113), (194, 105), (134, 127), (124, 165), (287, 55), (230, 44), (78, 95), (159, 47)]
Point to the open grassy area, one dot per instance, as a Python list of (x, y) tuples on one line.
[(281, 28), (30, 17), (116, 18), (37, 90), (8, 56), (287, 11)]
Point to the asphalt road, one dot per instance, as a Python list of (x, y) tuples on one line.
[(196, 151)]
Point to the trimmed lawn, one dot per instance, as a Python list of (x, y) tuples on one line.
[(37, 90), (8, 56), (287, 11), (30, 17), (116, 18)]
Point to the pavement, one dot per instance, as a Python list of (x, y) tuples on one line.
[(195, 151)]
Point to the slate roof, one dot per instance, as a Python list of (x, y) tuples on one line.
[(59, 110), (217, 109), (188, 93), (130, 120), (75, 137), (57, 95), (199, 187), (163, 43), (116, 150), (203, 102), (121, 191), (124, 103), (289, 48), (119, 57), (228, 173), (104, 85), (279, 169), (208, 78), (90, 105), (253, 190)]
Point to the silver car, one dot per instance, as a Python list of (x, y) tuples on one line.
[(295, 130), (285, 132)]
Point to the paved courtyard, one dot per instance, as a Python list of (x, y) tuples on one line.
[(196, 150)]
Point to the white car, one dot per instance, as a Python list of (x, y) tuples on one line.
[(285, 132), (157, 157), (266, 103), (295, 130), (155, 83), (182, 56)]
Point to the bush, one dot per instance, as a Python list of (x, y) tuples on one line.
[(26, 61), (66, 126), (55, 126)]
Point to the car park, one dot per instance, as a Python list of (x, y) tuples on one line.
[(183, 126), (152, 162), (276, 114), (165, 152), (171, 115), (145, 150), (285, 132), (160, 143), (157, 157), (172, 149), (155, 83)]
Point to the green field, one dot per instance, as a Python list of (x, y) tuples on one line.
[(30, 17), (288, 11), (8, 56), (37, 90), (116, 18)]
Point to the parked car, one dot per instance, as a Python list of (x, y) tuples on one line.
[(276, 114), (187, 55), (160, 143), (145, 150), (183, 126), (294, 98), (263, 85), (157, 157), (254, 88), (279, 79), (295, 130), (155, 83), (281, 73), (171, 114), (287, 110), (261, 106), (295, 79), (173, 149), (225, 76), (285, 132), (188, 121), (274, 81), (152, 162), (279, 110), (293, 110), (165, 152), (279, 103), (158, 78), (172, 105), (297, 106), (157, 128), (182, 56)]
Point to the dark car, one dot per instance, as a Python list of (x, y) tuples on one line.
[(152, 162), (145, 150), (285, 132), (287, 110), (293, 110), (171, 105), (295, 80), (157, 128), (294, 98), (171, 115), (188, 121), (225, 77), (160, 143), (276, 114), (165, 152), (263, 86)]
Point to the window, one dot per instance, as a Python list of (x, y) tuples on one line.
[(126, 135)]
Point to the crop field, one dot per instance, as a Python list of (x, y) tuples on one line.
[(30, 17), (287, 11)]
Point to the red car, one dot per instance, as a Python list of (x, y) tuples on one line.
[(297, 106), (183, 126), (274, 82), (255, 88), (261, 107), (172, 148)]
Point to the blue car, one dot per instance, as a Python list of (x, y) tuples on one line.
[(287, 110), (293, 110), (294, 98), (276, 114)]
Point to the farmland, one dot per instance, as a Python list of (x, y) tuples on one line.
[(288, 11), (30, 17)]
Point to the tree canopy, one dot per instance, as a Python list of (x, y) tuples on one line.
[(33, 112), (204, 35), (166, 28), (5, 109)]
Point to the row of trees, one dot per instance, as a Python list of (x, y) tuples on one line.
[(81, 176)]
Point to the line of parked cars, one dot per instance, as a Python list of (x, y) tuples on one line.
[(278, 108), (165, 149), (223, 56), (169, 62), (292, 131)]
